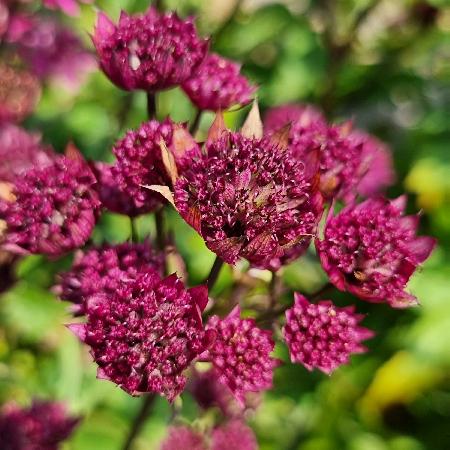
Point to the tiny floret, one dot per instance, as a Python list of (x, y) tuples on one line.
[(218, 85), (150, 51), (372, 249), (323, 336)]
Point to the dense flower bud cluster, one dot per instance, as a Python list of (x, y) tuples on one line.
[(231, 435), (218, 85), (371, 250), (53, 209), (42, 426), (209, 392), (240, 354), (342, 160), (140, 162), (102, 269), (20, 151), (19, 93), (148, 51), (248, 198), (146, 333), (321, 335)]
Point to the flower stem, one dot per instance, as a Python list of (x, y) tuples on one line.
[(214, 273), (139, 421), (134, 236), (196, 122), (151, 105)]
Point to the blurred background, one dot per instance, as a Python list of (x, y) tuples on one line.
[(384, 64)]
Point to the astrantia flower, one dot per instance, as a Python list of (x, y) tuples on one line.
[(322, 335), (184, 438), (249, 198), (377, 157), (150, 51), (233, 435), (53, 209), (209, 392), (145, 333), (102, 269), (342, 162), (51, 51), (19, 94), (240, 354), (297, 115), (112, 196), (139, 161), (20, 151), (371, 250), (70, 7), (217, 84), (42, 426)]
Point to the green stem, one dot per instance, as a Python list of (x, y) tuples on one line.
[(214, 273), (151, 105), (196, 122), (134, 235), (139, 421)]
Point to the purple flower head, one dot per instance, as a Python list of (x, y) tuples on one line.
[(185, 438), (140, 161), (322, 335), (145, 333), (249, 198), (371, 250), (342, 162), (150, 51), (20, 151), (240, 354), (218, 85), (19, 94), (298, 115), (209, 392), (69, 7), (112, 196), (377, 157), (52, 209), (233, 435), (42, 426), (50, 50), (101, 270)]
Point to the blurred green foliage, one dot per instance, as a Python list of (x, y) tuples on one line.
[(384, 64)]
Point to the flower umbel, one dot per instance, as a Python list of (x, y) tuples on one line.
[(42, 426), (54, 208), (150, 51), (322, 335), (371, 250), (145, 333), (240, 354), (249, 198), (101, 270), (218, 85), (140, 163)]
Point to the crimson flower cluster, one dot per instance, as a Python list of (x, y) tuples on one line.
[(231, 435), (42, 426)]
